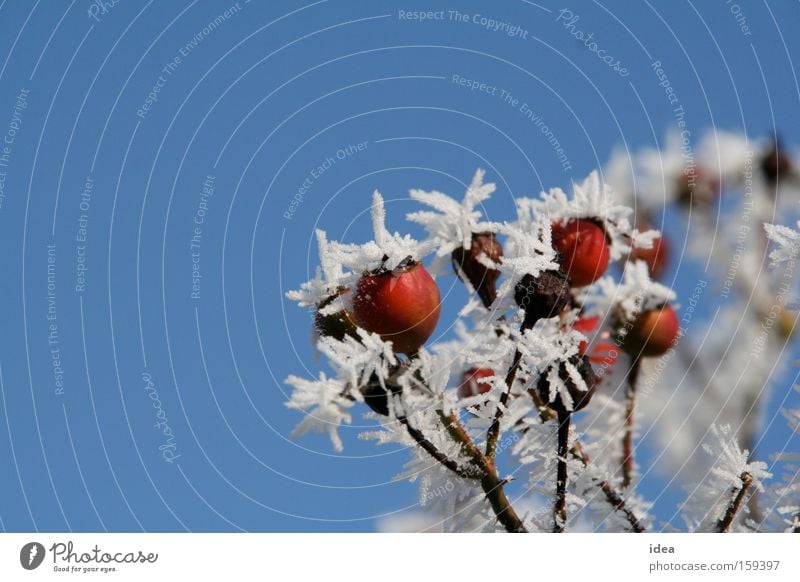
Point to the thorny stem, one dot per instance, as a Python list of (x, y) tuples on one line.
[(560, 507), (627, 438), (492, 486), (725, 522)]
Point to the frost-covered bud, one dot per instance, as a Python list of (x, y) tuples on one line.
[(580, 398), (775, 164), (377, 397), (652, 333), (336, 325), (542, 297), (696, 186), (466, 263), (401, 305)]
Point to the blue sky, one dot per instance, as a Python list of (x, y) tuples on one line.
[(197, 124)]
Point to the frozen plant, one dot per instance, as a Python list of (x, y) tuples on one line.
[(564, 307)]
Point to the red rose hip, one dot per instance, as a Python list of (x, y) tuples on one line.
[(402, 306), (653, 332), (583, 247)]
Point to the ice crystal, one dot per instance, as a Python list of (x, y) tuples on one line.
[(592, 200), (325, 404), (328, 279), (451, 224), (387, 250), (788, 241), (636, 293), (730, 465)]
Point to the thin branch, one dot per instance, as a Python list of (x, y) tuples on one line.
[(560, 506), (613, 497), (494, 429), (627, 438), (725, 522), (545, 412), (492, 486), (430, 448)]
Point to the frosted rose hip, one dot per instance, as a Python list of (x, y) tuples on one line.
[(583, 247), (402, 306)]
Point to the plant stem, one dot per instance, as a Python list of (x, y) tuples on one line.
[(627, 438), (439, 456), (545, 412), (494, 429), (613, 497), (560, 507), (492, 486), (725, 522)]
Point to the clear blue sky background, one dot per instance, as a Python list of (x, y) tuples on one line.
[(257, 103)]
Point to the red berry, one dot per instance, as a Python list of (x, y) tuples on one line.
[(653, 332), (656, 257), (583, 247), (402, 306), (471, 384)]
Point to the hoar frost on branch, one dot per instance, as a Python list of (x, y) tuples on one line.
[(509, 385)]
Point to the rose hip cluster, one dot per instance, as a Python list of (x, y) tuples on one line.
[(403, 304)]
